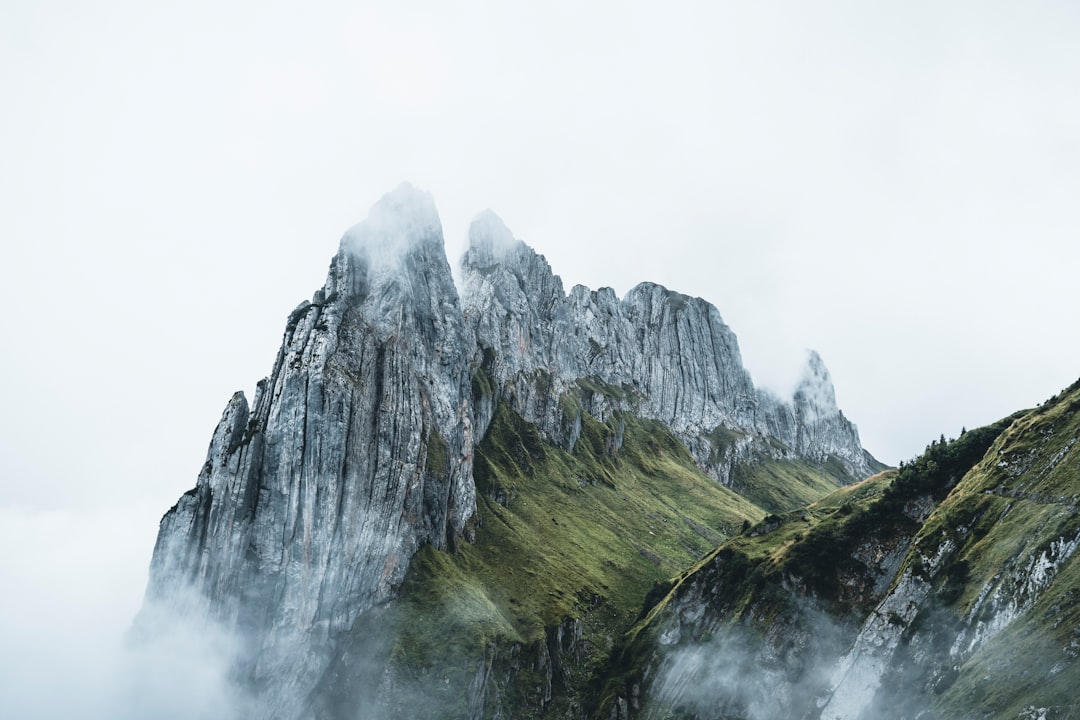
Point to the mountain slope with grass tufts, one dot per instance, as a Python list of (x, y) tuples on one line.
[(450, 505), (948, 588)]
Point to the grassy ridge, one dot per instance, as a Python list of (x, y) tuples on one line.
[(779, 486), (557, 532), (594, 536), (1002, 501), (811, 552), (748, 576), (584, 535), (1023, 497)]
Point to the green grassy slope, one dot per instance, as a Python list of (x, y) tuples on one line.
[(828, 553), (778, 486), (751, 577), (1016, 507), (566, 551), (558, 535), (999, 509)]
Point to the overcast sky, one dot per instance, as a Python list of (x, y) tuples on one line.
[(892, 184)]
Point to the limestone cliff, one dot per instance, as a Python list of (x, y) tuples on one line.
[(357, 450), (658, 353), (947, 589)]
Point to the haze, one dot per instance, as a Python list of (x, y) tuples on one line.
[(894, 187)]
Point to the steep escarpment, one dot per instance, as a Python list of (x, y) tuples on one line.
[(945, 589), (567, 545), (435, 506), (356, 451), (657, 353), (1001, 635)]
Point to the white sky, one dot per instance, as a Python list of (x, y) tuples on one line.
[(892, 184)]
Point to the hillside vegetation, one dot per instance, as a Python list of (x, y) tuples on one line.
[(567, 550), (953, 579)]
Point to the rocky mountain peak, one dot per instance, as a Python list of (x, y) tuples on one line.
[(357, 452), (358, 448), (490, 241), (392, 268), (401, 221), (508, 298), (662, 354), (821, 430), (497, 263), (815, 389)]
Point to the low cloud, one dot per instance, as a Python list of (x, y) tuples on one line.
[(71, 594), (400, 221), (743, 671)]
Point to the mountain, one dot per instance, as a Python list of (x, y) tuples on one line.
[(444, 505), (949, 588), (672, 357)]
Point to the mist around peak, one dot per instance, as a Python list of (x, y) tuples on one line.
[(490, 238), (815, 389), (71, 649), (401, 221), (794, 376)]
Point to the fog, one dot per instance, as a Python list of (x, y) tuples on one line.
[(401, 219), (72, 591), (790, 667), (747, 671), (892, 186)]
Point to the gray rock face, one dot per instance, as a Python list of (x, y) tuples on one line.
[(357, 450), (778, 654), (945, 598), (821, 430), (658, 353)]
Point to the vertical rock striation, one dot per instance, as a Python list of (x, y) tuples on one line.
[(659, 353), (947, 588), (357, 450)]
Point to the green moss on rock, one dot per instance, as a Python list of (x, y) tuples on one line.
[(583, 535)]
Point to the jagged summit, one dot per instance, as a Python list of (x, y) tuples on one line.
[(402, 221), (492, 248), (671, 357), (356, 452), (490, 241), (815, 386), (394, 262), (358, 449)]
